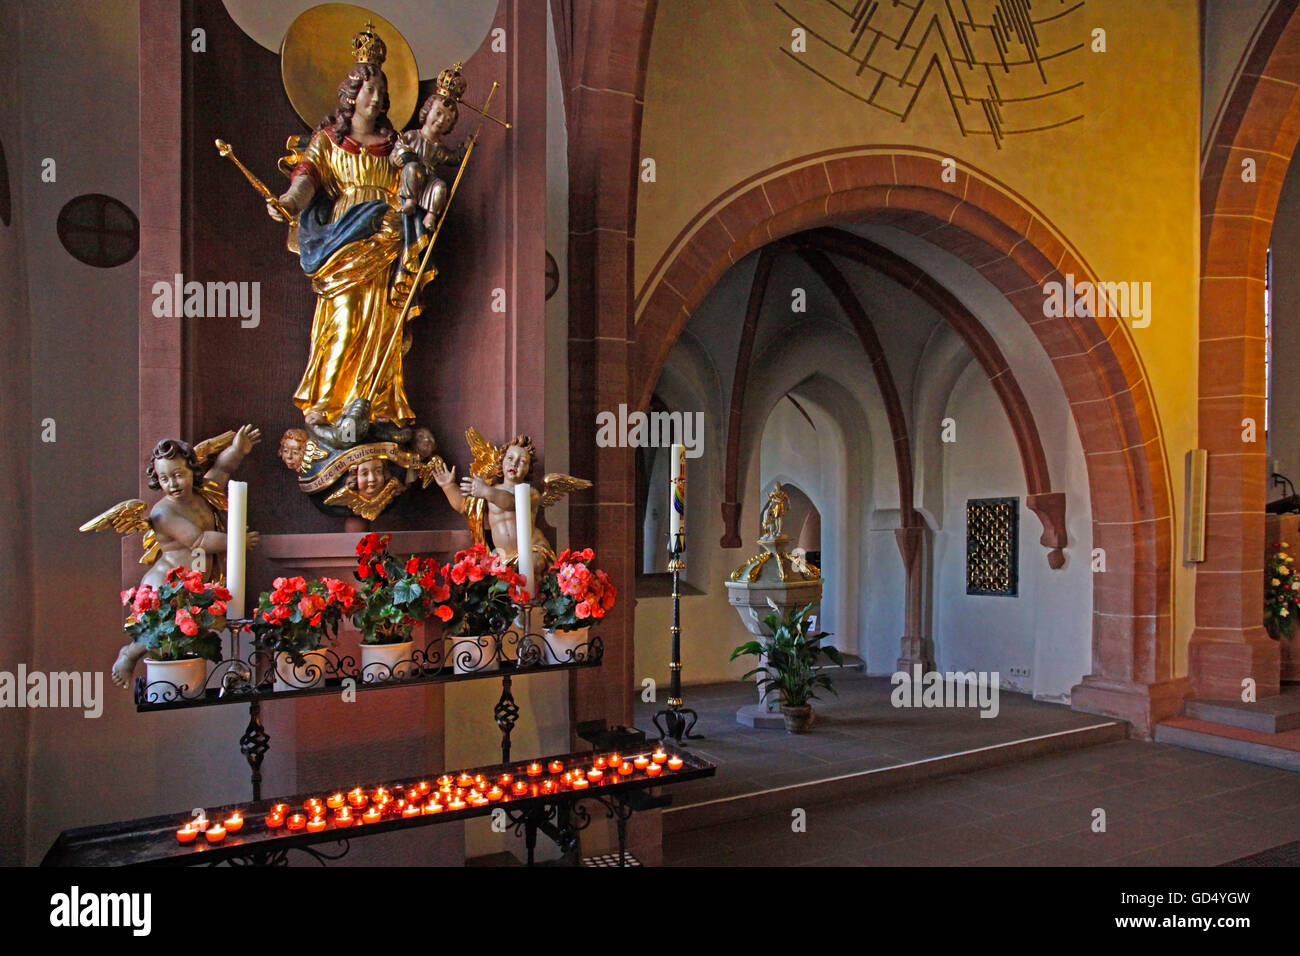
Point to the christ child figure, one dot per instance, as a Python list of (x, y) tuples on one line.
[(420, 151)]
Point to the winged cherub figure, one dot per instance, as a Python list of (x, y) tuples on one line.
[(187, 521), (489, 491)]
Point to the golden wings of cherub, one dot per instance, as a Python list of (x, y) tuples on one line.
[(132, 515)]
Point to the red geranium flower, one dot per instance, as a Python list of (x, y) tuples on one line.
[(185, 621), (443, 612)]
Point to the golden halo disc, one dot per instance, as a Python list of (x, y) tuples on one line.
[(316, 54)]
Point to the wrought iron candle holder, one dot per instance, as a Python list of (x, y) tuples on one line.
[(676, 721)]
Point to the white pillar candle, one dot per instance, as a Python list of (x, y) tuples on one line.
[(677, 497), (236, 544), (524, 525)]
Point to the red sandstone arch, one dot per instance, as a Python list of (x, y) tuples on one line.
[(1017, 249), (1259, 121)]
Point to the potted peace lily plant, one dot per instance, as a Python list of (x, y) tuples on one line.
[(788, 664), (484, 595), (180, 624), (398, 596), (294, 620), (573, 594)]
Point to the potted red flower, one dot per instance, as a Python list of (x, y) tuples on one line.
[(573, 595), (180, 625), (483, 596), (294, 620), (398, 596)]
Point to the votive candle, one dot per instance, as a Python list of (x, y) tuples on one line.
[(625, 769), (641, 762), (234, 823), (187, 833), (659, 756), (297, 821), (334, 801), (315, 824), (674, 762), (654, 770), (534, 770), (556, 766), (215, 833)]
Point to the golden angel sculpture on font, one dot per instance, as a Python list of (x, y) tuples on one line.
[(487, 494), (187, 526)]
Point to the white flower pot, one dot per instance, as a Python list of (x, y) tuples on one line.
[(472, 654), (310, 674), (560, 643), (385, 662), (189, 677)]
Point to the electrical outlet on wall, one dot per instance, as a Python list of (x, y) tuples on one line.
[(1018, 671)]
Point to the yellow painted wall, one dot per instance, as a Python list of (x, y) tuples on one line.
[(724, 101)]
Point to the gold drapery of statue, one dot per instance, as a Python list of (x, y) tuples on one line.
[(358, 304)]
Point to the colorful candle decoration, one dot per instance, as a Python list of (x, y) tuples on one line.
[(335, 800), (625, 769), (659, 756), (297, 821), (234, 823), (187, 833), (556, 766), (315, 824), (215, 833), (674, 762), (641, 762), (654, 770), (524, 544), (236, 544), (677, 498)]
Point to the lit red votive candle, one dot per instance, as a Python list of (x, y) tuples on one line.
[(274, 820), (188, 833), (422, 787), (495, 794), (520, 789), (234, 823), (659, 756), (674, 762), (457, 804), (504, 780), (654, 770), (641, 762), (625, 769), (614, 760), (600, 763), (200, 823), (433, 806), (215, 833), (580, 783), (556, 766), (446, 780), (411, 811), (335, 800), (357, 798), (297, 821), (534, 770), (373, 815), (465, 781), (343, 817), (315, 824), (548, 786), (314, 805)]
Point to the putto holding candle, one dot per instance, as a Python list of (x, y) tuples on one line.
[(186, 529)]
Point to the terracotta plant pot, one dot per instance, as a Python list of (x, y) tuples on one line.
[(170, 680), (385, 662), (797, 719)]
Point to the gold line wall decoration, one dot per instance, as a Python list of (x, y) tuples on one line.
[(992, 533)]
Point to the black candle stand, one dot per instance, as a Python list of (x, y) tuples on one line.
[(674, 719)]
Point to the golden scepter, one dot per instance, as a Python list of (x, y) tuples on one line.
[(226, 150), (399, 330)]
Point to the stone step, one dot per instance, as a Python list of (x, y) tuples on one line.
[(744, 806), (1269, 715), (1281, 750)]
